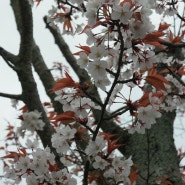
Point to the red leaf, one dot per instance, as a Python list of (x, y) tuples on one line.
[(181, 70), (133, 176), (157, 81), (15, 155), (112, 145), (23, 150), (85, 28), (38, 2), (24, 108), (154, 39), (67, 26), (177, 40), (65, 82), (85, 49), (98, 23), (166, 181), (47, 104), (163, 27), (66, 117), (10, 127), (10, 155), (144, 100)]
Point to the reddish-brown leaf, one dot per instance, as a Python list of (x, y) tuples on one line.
[(65, 82), (133, 176), (181, 71), (144, 100), (177, 40), (157, 81), (166, 181), (66, 117), (85, 28), (24, 108), (85, 49), (112, 145), (15, 155), (99, 23), (67, 26), (154, 39), (163, 27)]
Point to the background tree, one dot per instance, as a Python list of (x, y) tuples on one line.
[(79, 130)]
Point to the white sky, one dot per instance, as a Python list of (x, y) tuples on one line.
[(9, 39)]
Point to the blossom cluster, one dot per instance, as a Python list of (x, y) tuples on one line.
[(37, 168), (40, 166), (73, 101), (122, 52), (31, 121)]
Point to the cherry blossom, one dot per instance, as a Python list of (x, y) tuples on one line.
[(97, 52), (122, 13), (96, 146), (23, 164), (100, 163), (59, 142), (148, 115), (32, 144), (31, 121), (83, 60)]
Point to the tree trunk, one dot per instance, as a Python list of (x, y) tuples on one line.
[(155, 154)]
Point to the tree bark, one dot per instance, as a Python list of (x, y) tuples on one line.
[(155, 154)]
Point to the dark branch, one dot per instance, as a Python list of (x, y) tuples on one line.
[(11, 96), (9, 58)]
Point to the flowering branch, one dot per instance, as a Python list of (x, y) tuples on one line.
[(113, 84)]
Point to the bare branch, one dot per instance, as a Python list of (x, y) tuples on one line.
[(11, 96), (9, 58), (45, 76)]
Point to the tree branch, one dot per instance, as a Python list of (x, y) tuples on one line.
[(11, 96), (23, 14), (9, 58), (45, 76)]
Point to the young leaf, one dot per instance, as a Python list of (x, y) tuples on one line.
[(157, 81), (66, 117)]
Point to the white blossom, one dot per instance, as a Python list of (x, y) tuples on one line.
[(100, 163), (122, 13)]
